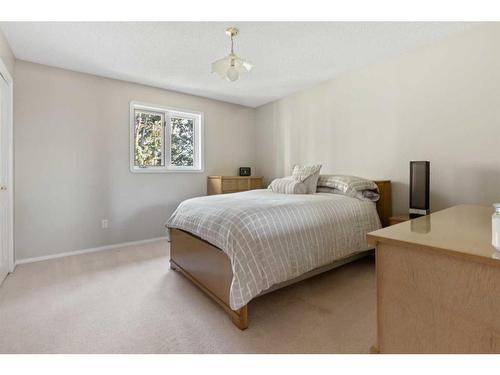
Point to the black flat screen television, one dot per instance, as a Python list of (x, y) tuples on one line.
[(419, 188)]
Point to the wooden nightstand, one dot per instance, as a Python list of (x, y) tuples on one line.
[(398, 219), (232, 184)]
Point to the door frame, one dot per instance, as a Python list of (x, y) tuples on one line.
[(10, 115)]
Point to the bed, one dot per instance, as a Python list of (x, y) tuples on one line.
[(238, 246)]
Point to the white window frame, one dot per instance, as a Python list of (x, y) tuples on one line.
[(168, 112)]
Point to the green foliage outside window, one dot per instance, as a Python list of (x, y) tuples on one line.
[(182, 142), (148, 139)]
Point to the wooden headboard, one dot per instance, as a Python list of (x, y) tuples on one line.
[(384, 204)]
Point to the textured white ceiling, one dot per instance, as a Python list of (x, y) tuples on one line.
[(288, 56)]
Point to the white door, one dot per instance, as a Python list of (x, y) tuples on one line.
[(5, 183)]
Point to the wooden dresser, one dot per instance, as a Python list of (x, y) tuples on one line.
[(438, 284), (232, 184)]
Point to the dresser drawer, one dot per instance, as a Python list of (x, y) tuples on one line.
[(255, 183), (242, 185), (232, 184), (229, 185)]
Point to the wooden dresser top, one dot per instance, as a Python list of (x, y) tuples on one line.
[(463, 230)]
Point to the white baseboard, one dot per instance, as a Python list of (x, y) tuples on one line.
[(85, 251)]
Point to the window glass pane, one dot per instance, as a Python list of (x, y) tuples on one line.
[(148, 141), (182, 142)]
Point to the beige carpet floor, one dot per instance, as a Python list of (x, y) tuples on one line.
[(127, 300)]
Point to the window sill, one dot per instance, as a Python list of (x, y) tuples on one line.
[(164, 170)]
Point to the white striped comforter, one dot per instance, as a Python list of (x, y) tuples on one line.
[(272, 237)]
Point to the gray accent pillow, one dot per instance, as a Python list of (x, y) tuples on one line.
[(365, 195), (288, 185), (308, 175), (349, 185), (346, 183)]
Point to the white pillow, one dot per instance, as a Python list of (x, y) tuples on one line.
[(288, 185), (307, 175)]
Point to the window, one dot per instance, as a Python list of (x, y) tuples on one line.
[(165, 139)]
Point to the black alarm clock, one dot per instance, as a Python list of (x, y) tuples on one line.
[(245, 171)]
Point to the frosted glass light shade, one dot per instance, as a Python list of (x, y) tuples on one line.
[(232, 74), (222, 66)]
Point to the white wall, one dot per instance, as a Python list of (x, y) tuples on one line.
[(72, 160), (439, 103)]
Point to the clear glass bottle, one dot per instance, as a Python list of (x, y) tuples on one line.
[(495, 227)]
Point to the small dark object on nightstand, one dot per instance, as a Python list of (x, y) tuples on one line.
[(245, 171)]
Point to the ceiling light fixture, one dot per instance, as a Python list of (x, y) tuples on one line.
[(231, 67)]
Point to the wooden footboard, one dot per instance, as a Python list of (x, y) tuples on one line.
[(208, 268)]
